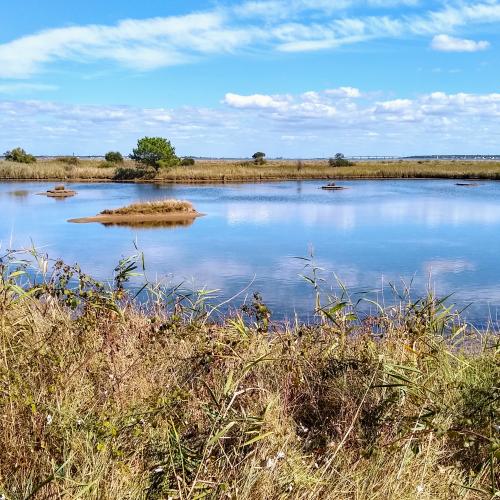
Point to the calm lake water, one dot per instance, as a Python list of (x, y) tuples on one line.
[(375, 232)]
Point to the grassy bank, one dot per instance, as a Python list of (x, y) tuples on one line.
[(99, 399), (227, 171)]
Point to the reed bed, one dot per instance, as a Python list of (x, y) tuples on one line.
[(231, 171), (55, 170), (103, 399)]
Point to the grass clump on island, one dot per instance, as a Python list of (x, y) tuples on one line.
[(157, 207), (103, 398)]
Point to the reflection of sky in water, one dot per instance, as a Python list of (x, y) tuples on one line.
[(372, 233)]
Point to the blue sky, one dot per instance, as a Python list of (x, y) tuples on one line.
[(295, 78)]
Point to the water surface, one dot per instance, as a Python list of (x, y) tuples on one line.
[(375, 232)]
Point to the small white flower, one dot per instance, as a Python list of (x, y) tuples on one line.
[(420, 489), (2, 497), (158, 469), (79, 421), (49, 419), (280, 455), (270, 463)]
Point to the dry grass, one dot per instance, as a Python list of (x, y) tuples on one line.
[(153, 208), (55, 170), (117, 403), (227, 171)]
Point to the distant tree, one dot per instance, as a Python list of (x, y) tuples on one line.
[(113, 157), (155, 152), (19, 155), (339, 161), (187, 162), (259, 158)]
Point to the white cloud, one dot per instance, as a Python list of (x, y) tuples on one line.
[(21, 87), (291, 26), (446, 43), (308, 124), (344, 92), (255, 101), (139, 44)]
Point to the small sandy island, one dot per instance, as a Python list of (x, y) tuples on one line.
[(59, 191), (153, 211)]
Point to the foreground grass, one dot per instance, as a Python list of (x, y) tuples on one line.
[(152, 207), (227, 171), (99, 399)]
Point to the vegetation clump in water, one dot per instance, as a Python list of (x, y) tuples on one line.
[(153, 207)]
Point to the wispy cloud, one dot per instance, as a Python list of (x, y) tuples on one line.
[(22, 87), (292, 26)]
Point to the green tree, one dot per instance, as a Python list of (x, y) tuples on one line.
[(259, 158), (339, 161), (155, 152), (19, 155), (113, 157), (187, 162)]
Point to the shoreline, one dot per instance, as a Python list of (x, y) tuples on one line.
[(251, 180), (123, 219)]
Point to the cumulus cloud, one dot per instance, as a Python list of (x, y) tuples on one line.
[(446, 43), (255, 101), (307, 124)]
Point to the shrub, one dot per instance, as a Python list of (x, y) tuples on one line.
[(339, 161), (259, 158), (155, 152), (69, 160), (129, 173), (19, 155), (113, 157), (187, 162)]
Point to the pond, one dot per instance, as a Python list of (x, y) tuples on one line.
[(430, 233)]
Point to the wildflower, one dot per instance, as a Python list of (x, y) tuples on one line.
[(158, 469), (2, 497), (280, 455), (49, 419), (79, 422), (270, 463), (420, 489)]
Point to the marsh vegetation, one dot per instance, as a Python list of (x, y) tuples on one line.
[(228, 170), (103, 398)]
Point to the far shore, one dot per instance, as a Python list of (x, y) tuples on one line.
[(225, 171)]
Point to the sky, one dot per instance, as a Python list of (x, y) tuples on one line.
[(225, 78)]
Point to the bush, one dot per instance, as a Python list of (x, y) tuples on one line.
[(113, 157), (155, 152), (339, 161), (19, 155), (259, 158), (69, 160), (129, 173), (187, 162)]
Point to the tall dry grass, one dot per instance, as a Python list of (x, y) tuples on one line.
[(152, 207), (100, 399), (55, 170), (227, 171)]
